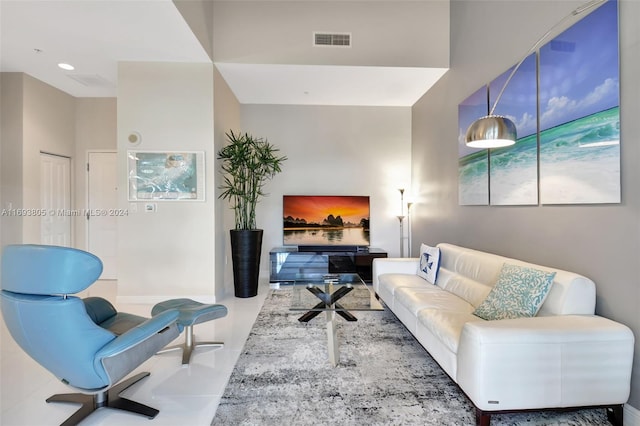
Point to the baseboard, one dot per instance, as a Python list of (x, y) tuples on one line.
[(152, 300), (631, 416)]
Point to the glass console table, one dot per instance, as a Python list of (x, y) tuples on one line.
[(288, 263), (333, 294)]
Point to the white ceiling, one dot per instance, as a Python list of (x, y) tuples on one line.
[(94, 35), (328, 85)]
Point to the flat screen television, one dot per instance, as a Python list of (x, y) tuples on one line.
[(330, 221)]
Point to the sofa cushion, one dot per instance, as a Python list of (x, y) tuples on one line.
[(429, 263), (415, 299), (391, 282), (446, 324), (466, 288), (519, 292), (476, 265)]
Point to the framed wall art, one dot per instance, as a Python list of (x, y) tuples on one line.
[(166, 176), (580, 112), (513, 170), (566, 108), (473, 163)]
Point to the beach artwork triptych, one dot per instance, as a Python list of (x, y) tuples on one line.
[(565, 103)]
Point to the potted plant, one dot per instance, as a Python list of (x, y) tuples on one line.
[(247, 164)]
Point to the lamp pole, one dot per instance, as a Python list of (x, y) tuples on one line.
[(409, 229), (401, 218)]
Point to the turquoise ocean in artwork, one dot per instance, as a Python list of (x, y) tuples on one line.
[(514, 173), (600, 132), (473, 179), (579, 162)]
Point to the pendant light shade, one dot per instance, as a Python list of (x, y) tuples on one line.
[(491, 131)]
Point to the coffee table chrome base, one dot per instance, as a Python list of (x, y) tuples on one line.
[(329, 301), (333, 345)]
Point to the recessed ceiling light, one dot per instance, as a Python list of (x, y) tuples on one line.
[(66, 67)]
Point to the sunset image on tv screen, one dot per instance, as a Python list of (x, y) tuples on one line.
[(326, 220)]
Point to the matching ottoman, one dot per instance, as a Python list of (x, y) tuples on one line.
[(191, 313)]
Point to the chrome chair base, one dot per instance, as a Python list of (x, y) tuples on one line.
[(110, 398)]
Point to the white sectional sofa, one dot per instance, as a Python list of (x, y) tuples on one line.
[(563, 357)]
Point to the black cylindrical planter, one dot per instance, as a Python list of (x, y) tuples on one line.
[(246, 246)]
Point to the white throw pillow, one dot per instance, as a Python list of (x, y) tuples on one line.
[(519, 292), (429, 263)]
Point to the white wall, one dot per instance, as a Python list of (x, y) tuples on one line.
[(11, 131), (49, 126), (198, 14), (226, 117), (335, 150), (599, 241), (384, 33), (169, 253), (44, 122), (96, 126)]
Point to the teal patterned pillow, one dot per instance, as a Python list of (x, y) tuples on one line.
[(519, 292)]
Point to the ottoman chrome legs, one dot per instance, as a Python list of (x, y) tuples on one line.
[(189, 345), (191, 313)]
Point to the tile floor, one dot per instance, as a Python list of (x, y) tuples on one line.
[(184, 395)]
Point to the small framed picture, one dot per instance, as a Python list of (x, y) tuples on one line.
[(166, 176)]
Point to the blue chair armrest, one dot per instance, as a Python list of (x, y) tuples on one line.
[(138, 334)]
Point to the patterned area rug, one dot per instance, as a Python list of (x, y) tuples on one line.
[(385, 377)]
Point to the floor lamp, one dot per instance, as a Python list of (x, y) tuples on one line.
[(409, 229), (401, 219)]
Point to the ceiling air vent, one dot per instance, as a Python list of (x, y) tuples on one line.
[(332, 39), (91, 80)]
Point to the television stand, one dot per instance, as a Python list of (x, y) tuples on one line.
[(326, 249), (288, 262)]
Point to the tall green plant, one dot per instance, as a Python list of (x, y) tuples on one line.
[(247, 164)]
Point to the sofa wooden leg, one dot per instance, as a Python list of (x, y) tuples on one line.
[(615, 414), (482, 418)]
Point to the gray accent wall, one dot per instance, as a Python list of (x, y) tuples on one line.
[(599, 241)]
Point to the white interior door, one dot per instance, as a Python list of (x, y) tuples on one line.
[(55, 199), (103, 197)]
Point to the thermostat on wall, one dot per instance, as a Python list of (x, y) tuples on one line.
[(134, 139)]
